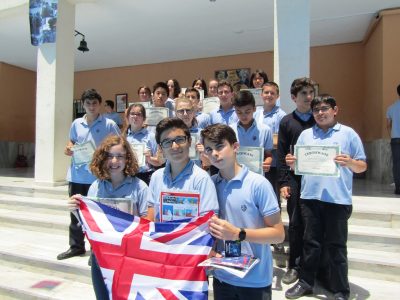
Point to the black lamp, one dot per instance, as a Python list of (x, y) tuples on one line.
[(83, 44)]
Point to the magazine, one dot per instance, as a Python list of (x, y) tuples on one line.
[(238, 266)]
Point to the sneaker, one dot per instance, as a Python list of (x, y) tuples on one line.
[(290, 276)]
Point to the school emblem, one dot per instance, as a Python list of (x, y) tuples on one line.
[(243, 207), (97, 130), (254, 137)]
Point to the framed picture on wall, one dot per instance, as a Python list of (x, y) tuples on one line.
[(239, 78), (121, 101)]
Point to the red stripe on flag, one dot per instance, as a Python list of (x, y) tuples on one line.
[(167, 294), (89, 218)]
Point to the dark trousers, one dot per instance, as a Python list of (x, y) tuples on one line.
[(296, 227), (325, 239), (272, 176), (395, 145), (99, 285), (76, 236), (225, 291)]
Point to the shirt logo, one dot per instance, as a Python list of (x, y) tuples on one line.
[(97, 130), (243, 207), (254, 137)]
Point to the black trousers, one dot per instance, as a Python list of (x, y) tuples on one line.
[(325, 243), (225, 291), (272, 176), (395, 145), (296, 227), (76, 236)]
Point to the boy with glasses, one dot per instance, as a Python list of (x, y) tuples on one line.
[(180, 173), (326, 203)]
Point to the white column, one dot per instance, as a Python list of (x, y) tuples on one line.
[(54, 100), (291, 46)]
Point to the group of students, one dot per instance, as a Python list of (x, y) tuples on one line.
[(245, 204)]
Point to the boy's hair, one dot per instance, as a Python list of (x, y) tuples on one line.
[(90, 94), (190, 90), (177, 87), (324, 98), (110, 103), (258, 72), (97, 166), (146, 88), (273, 84), (300, 83), (244, 98), (170, 123), (183, 100), (203, 85), (217, 133), (162, 85), (398, 90), (225, 82)]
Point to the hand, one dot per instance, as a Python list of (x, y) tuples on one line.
[(74, 201), (199, 147), (290, 160), (223, 230), (147, 155), (68, 150), (343, 160), (285, 192)]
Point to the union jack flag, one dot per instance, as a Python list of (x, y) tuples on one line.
[(140, 259)]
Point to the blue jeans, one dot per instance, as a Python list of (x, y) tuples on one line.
[(395, 145)]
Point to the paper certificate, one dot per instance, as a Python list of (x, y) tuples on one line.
[(252, 158), (210, 104), (83, 153), (179, 205), (257, 95), (138, 149), (316, 160), (155, 115), (127, 205), (193, 154), (145, 104)]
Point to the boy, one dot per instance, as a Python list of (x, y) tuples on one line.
[(326, 203), (248, 131), (92, 127), (180, 173), (302, 92), (111, 114), (225, 114), (249, 213), (160, 97), (203, 120)]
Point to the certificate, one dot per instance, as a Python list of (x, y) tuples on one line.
[(83, 153), (179, 205), (127, 205), (257, 95), (317, 160), (252, 158), (210, 104), (145, 104), (155, 115), (138, 149), (193, 154)]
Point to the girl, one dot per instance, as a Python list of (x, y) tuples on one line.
[(115, 167), (144, 94), (200, 84), (258, 78), (173, 88)]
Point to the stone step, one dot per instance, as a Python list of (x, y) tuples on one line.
[(22, 188)]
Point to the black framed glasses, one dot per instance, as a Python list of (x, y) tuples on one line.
[(322, 108), (179, 140)]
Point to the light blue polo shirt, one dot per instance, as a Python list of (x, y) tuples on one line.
[(144, 136), (191, 179), (393, 113), (203, 120), (132, 188), (115, 117), (80, 132), (336, 190), (219, 116), (244, 201), (257, 135)]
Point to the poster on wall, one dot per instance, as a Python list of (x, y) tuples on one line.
[(43, 21), (239, 78)]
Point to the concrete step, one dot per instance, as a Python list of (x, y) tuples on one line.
[(20, 187)]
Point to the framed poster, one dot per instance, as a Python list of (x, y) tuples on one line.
[(239, 78), (121, 101)]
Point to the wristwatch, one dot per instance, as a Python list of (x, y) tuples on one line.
[(242, 234)]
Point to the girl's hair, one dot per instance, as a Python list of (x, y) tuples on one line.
[(100, 157), (128, 111), (177, 87), (258, 72), (146, 88), (203, 85)]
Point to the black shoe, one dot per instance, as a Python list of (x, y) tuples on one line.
[(340, 296), (70, 253), (290, 276), (298, 291)]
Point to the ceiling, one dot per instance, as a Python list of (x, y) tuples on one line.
[(135, 32)]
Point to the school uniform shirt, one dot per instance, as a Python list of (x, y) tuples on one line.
[(170, 104), (219, 116), (143, 136), (244, 201), (115, 117), (393, 113), (80, 132), (203, 120), (191, 179), (257, 135), (132, 188), (337, 190)]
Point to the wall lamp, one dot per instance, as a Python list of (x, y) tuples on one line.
[(83, 45)]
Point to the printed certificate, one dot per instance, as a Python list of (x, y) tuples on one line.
[(145, 104), (257, 95), (193, 154), (317, 160), (252, 158), (210, 104), (155, 115), (127, 205), (138, 149), (83, 153), (179, 205)]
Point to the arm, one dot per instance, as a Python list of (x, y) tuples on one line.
[(267, 160), (389, 126), (273, 231), (283, 149), (356, 165), (150, 213), (68, 148)]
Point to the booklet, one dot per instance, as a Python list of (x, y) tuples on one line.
[(238, 266)]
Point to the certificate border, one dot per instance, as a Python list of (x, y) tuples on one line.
[(336, 147)]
